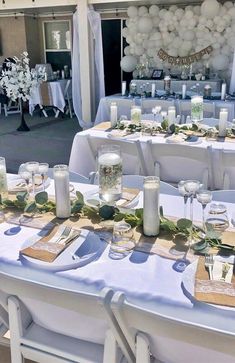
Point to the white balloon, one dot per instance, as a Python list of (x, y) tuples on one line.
[(145, 25), (162, 13), (189, 35), (197, 10), (173, 52), (189, 7), (210, 8), (142, 10), (151, 43), (125, 32), (127, 50), (173, 8), (168, 16), (189, 14), (220, 62), (179, 13), (132, 11), (153, 10), (128, 63), (139, 50), (156, 21), (232, 13), (155, 36), (129, 39), (187, 45), (183, 52), (228, 4)]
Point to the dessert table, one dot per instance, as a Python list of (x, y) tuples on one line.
[(103, 112), (145, 278)]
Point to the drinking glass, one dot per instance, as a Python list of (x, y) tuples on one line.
[(43, 169), (184, 194), (3, 178), (122, 240), (32, 167), (191, 187), (217, 218), (204, 197), (25, 174), (110, 173)]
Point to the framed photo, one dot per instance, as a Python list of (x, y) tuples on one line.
[(157, 74)]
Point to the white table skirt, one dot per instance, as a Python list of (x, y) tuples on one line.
[(103, 112), (82, 161), (57, 88)]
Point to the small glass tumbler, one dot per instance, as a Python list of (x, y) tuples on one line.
[(122, 240), (43, 169), (3, 178), (32, 167), (110, 173)]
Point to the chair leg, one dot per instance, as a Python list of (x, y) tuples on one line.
[(142, 349), (15, 329), (57, 112), (110, 348), (70, 108), (5, 110), (43, 111)]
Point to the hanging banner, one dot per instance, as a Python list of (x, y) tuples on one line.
[(182, 61)]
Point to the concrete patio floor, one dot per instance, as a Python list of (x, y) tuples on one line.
[(49, 139)]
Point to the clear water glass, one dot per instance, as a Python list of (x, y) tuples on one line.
[(184, 194), (122, 241), (110, 173), (217, 218), (3, 178), (25, 174), (191, 187), (204, 197), (32, 167), (43, 169)]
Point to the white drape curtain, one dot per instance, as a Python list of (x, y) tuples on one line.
[(232, 81), (96, 66)]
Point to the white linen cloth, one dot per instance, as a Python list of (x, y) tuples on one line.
[(103, 112), (57, 96), (97, 76), (144, 278), (82, 161)]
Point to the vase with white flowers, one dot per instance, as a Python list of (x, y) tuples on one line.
[(18, 81)]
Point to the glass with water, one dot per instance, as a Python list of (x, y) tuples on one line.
[(3, 178), (110, 173)]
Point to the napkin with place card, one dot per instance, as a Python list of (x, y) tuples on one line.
[(52, 244), (220, 290), (19, 185), (128, 195)]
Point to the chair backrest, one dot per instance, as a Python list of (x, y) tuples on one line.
[(173, 162), (73, 177), (148, 104), (227, 169), (132, 155), (175, 334), (123, 106), (227, 196), (68, 90)]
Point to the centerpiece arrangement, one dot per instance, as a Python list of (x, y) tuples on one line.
[(18, 81)]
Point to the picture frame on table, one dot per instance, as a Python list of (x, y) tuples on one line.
[(157, 74)]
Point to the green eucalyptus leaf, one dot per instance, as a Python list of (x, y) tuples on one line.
[(200, 245), (161, 211), (119, 217), (139, 213), (172, 128), (41, 198), (80, 197), (168, 226), (22, 196), (184, 223), (8, 203), (212, 234), (164, 125), (30, 207), (194, 127), (76, 207), (224, 246), (106, 212)]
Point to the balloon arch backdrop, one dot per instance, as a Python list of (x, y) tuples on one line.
[(180, 32)]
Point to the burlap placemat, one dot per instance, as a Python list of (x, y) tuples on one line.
[(103, 126), (46, 94), (214, 292)]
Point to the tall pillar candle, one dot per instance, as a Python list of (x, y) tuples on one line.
[(223, 91), (123, 88), (153, 90), (223, 118), (113, 114), (151, 219), (3, 178), (62, 194), (171, 116), (184, 88)]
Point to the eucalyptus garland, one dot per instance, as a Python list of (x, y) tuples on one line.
[(181, 230)]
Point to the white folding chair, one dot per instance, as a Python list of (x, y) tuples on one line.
[(30, 339), (12, 107), (123, 106), (173, 162), (73, 177), (46, 99), (226, 169), (227, 196), (148, 104), (133, 159), (173, 334)]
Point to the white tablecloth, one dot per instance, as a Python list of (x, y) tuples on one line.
[(82, 161), (57, 91), (103, 112)]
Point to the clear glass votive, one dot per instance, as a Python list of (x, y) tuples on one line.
[(3, 178), (122, 240), (110, 173), (217, 218)]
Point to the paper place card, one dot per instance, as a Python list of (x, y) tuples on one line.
[(219, 275)]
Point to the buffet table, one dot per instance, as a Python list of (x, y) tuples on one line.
[(145, 278), (103, 112), (176, 84)]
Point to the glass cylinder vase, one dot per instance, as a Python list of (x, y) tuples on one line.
[(197, 108), (3, 178), (110, 173)]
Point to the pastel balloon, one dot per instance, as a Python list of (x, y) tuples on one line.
[(145, 25), (128, 63), (132, 11), (220, 62), (210, 8)]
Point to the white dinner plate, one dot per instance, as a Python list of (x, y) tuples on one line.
[(81, 251), (92, 199), (19, 185), (176, 139)]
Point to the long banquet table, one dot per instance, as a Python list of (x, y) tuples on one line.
[(82, 160), (144, 278), (103, 112)]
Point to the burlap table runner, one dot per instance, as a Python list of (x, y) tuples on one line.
[(46, 94), (103, 126), (214, 292)]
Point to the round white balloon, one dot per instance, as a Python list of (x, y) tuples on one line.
[(220, 62), (145, 25), (127, 50), (153, 10), (142, 10), (210, 8), (132, 11), (128, 63)]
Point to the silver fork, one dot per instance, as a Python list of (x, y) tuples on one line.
[(209, 262), (65, 234)]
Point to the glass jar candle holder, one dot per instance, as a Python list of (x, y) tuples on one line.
[(136, 114), (197, 108), (110, 173)]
